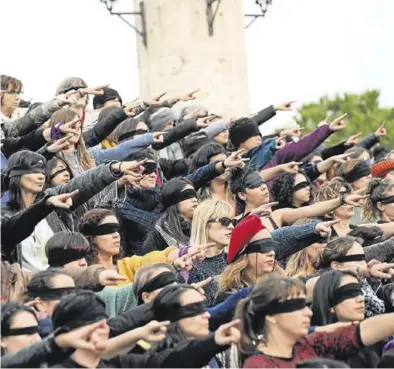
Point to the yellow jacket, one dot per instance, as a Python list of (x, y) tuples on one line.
[(128, 266)]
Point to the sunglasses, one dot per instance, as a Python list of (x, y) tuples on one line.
[(224, 221)]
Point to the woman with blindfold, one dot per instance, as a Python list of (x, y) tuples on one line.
[(179, 200), (251, 255), (379, 205), (338, 297), (19, 327), (184, 307), (218, 188), (22, 347), (291, 190), (25, 180), (45, 290), (276, 322), (346, 253), (101, 228), (213, 222)]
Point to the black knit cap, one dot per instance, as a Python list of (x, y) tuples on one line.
[(109, 94), (76, 310), (242, 130)]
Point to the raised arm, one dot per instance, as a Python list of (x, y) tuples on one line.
[(289, 216), (16, 228), (32, 141), (296, 151), (88, 183), (294, 238), (104, 127), (121, 151), (177, 133), (383, 251)]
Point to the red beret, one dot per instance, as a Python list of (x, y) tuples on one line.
[(382, 167), (243, 232)]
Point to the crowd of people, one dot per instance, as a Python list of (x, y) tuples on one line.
[(135, 237)]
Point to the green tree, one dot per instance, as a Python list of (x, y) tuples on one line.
[(363, 115)]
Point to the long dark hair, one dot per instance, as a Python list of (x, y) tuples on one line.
[(204, 154), (50, 166), (323, 296), (93, 218), (166, 300), (171, 221), (21, 158)]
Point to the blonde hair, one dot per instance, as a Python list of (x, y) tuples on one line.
[(67, 115), (208, 209), (300, 265), (235, 275)]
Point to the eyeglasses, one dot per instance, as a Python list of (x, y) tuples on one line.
[(224, 221)]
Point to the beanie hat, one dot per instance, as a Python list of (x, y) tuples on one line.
[(160, 118), (109, 94), (76, 310), (243, 232), (381, 168), (242, 130)]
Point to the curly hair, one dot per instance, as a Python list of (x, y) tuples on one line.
[(93, 218), (282, 189), (332, 190)]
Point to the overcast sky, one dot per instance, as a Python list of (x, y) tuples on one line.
[(301, 50)]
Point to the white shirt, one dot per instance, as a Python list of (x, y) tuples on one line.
[(33, 248)]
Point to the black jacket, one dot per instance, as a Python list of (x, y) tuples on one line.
[(32, 141), (103, 128), (190, 354), (33, 356), (177, 133)]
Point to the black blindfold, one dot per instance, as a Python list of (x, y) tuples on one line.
[(101, 230), (178, 197), (346, 292)]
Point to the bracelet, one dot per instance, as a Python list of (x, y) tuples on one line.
[(224, 165), (343, 199), (114, 172)]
